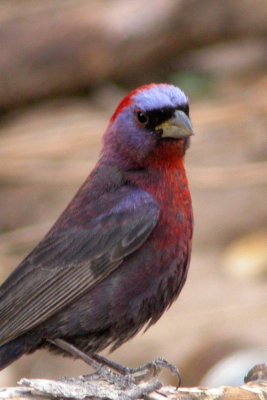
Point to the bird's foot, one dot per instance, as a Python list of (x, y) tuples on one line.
[(130, 383), (142, 373), (104, 373), (153, 369), (139, 380)]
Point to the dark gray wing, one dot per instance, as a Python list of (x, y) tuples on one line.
[(69, 262)]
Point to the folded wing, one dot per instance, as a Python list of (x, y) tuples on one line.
[(69, 262)]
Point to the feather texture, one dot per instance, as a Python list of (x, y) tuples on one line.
[(68, 263)]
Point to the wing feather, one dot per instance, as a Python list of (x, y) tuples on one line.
[(69, 262)]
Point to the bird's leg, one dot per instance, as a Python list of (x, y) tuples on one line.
[(144, 372), (103, 365), (101, 370)]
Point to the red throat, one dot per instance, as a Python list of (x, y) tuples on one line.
[(167, 156)]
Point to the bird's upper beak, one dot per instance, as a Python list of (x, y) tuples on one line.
[(177, 127)]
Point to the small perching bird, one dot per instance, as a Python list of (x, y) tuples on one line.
[(118, 255)]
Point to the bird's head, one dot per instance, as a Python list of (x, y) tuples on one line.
[(152, 121)]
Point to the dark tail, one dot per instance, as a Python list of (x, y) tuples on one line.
[(10, 352), (13, 350)]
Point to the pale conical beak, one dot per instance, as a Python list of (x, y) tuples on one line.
[(178, 127)]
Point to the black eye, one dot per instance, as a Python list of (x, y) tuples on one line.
[(142, 117)]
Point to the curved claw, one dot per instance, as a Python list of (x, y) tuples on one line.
[(153, 369), (160, 363)]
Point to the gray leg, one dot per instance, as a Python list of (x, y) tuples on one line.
[(101, 370), (102, 366)]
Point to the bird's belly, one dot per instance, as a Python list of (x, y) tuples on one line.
[(154, 279), (138, 292)]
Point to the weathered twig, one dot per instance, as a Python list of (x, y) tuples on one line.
[(81, 388)]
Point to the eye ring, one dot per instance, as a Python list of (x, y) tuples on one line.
[(142, 117)]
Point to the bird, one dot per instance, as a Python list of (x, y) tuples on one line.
[(118, 255)]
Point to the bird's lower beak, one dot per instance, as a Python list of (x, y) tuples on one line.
[(178, 127)]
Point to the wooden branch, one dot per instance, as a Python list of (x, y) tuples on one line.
[(90, 386), (55, 47)]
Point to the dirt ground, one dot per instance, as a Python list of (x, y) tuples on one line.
[(47, 150)]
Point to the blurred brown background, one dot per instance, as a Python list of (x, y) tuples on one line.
[(64, 65)]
